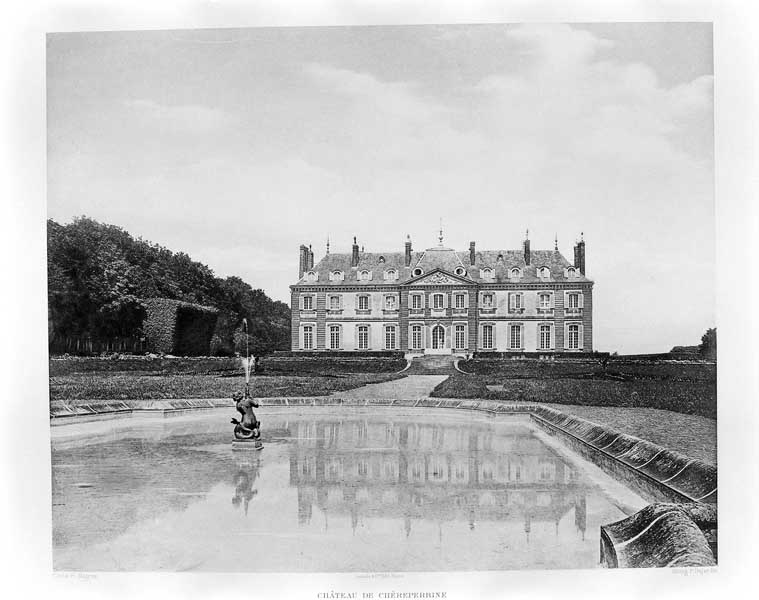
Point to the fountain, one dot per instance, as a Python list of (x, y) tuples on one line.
[(248, 430)]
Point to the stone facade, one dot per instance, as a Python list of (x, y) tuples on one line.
[(440, 301)]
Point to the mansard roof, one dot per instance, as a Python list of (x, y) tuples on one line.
[(445, 259)]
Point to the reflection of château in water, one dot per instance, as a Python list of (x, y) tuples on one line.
[(431, 471)]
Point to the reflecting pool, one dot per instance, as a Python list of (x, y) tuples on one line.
[(331, 491)]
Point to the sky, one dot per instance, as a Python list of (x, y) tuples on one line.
[(238, 145)]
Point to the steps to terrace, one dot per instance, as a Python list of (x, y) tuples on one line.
[(433, 364)]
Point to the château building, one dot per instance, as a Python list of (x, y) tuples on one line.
[(440, 301)]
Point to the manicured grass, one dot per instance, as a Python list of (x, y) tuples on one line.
[(692, 435), (147, 386), (687, 397)]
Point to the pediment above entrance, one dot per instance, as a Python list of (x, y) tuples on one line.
[(439, 278)]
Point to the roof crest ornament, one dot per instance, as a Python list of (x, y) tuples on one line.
[(556, 242), (441, 231)]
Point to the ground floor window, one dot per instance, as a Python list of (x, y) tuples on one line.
[(545, 337), (334, 337), (416, 337), (390, 337), (515, 337), (487, 337), (460, 338), (308, 337), (573, 337), (363, 337)]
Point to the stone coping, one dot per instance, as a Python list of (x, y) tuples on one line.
[(661, 535), (660, 473)]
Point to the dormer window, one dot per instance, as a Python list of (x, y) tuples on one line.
[(487, 273), (571, 273), (460, 271), (312, 276), (364, 275), (515, 273), (381, 259), (544, 273), (336, 276), (417, 272), (391, 274)]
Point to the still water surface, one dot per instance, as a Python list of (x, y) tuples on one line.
[(347, 492)]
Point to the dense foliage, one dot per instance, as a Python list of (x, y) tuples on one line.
[(708, 346), (99, 277)]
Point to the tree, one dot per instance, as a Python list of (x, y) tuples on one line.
[(708, 346)]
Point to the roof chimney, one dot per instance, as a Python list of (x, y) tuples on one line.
[(471, 253), (408, 250), (303, 261), (527, 248), (354, 256), (580, 255)]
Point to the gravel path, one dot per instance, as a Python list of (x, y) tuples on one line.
[(412, 387), (691, 435)]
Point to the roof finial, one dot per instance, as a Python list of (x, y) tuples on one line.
[(327, 244), (581, 236), (556, 241), (527, 234), (441, 231), (354, 239)]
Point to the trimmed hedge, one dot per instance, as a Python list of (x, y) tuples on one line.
[(176, 327)]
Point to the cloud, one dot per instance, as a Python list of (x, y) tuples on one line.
[(193, 118)]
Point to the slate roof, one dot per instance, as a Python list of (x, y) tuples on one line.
[(447, 259)]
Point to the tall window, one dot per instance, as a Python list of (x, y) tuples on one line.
[(544, 300), (416, 337), (437, 301), (334, 302), (363, 303), (460, 301), (545, 337), (515, 337), (390, 337), (308, 337), (573, 301), (308, 303), (487, 337), (363, 337), (416, 301), (460, 337), (390, 303), (334, 337), (487, 300), (573, 338)]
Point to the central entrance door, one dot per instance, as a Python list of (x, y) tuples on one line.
[(438, 337)]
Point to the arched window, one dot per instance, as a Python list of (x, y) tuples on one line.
[(515, 273), (312, 276), (544, 272), (381, 259), (571, 273), (336, 276), (487, 273), (391, 274), (365, 275)]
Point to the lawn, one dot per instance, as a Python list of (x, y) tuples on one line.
[(136, 386), (684, 388)]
